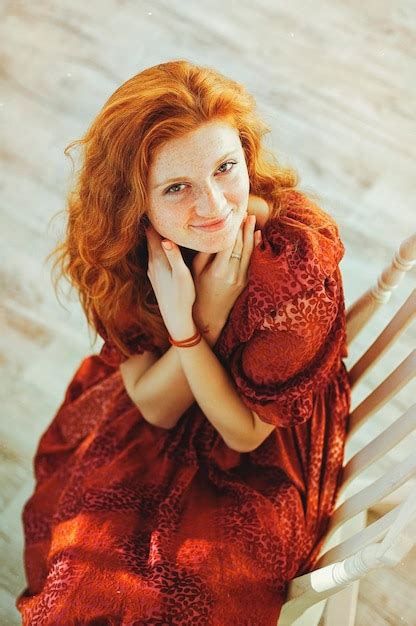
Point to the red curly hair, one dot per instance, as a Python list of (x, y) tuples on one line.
[(104, 252)]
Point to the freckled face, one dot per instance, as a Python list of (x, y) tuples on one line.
[(199, 178)]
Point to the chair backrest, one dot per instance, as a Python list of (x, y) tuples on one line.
[(364, 308), (351, 548)]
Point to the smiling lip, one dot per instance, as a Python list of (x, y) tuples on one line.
[(216, 225)]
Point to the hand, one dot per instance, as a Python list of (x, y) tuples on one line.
[(172, 283), (219, 283)]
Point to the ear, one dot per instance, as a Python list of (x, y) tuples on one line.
[(144, 220)]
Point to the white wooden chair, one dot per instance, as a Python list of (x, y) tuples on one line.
[(351, 548)]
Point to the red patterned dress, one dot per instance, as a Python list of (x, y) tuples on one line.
[(131, 524)]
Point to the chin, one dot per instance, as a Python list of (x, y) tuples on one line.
[(214, 247), (217, 244)]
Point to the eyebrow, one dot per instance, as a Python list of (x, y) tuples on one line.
[(174, 180)]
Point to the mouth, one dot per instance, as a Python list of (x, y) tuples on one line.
[(216, 225)]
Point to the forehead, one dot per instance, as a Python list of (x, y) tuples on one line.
[(208, 141)]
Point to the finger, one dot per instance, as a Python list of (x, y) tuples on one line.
[(173, 255), (155, 250), (239, 240), (223, 258), (247, 249), (200, 261)]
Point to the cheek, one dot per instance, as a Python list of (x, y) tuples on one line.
[(242, 182), (241, 186), (158, 221), (166, 223)]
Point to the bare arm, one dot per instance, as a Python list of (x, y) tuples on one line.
[(167, 389), (215, 391), (159, 387), (163, 392)]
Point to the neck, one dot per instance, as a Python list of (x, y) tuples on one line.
[(188, 255)]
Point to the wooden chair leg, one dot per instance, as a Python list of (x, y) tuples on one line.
[(341, 608)]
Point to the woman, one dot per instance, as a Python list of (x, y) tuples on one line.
[(193, 465)]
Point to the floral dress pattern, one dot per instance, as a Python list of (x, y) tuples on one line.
[(132, 524)]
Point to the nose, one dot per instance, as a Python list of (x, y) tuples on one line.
[(211, 203)]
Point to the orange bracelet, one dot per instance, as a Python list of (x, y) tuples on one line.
[(187, 343)]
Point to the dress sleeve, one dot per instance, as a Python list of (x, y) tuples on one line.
[(135, 338), (292, 335)]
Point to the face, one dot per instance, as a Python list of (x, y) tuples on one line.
[(199, 178)]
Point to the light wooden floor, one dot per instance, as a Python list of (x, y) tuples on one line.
[(335, 82)]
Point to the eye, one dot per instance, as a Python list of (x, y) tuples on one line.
[(226, 163), (232, 163), (172, 187)]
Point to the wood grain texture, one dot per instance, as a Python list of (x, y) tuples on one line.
[(334, 81)]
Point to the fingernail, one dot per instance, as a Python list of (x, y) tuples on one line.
[(167, 245)]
